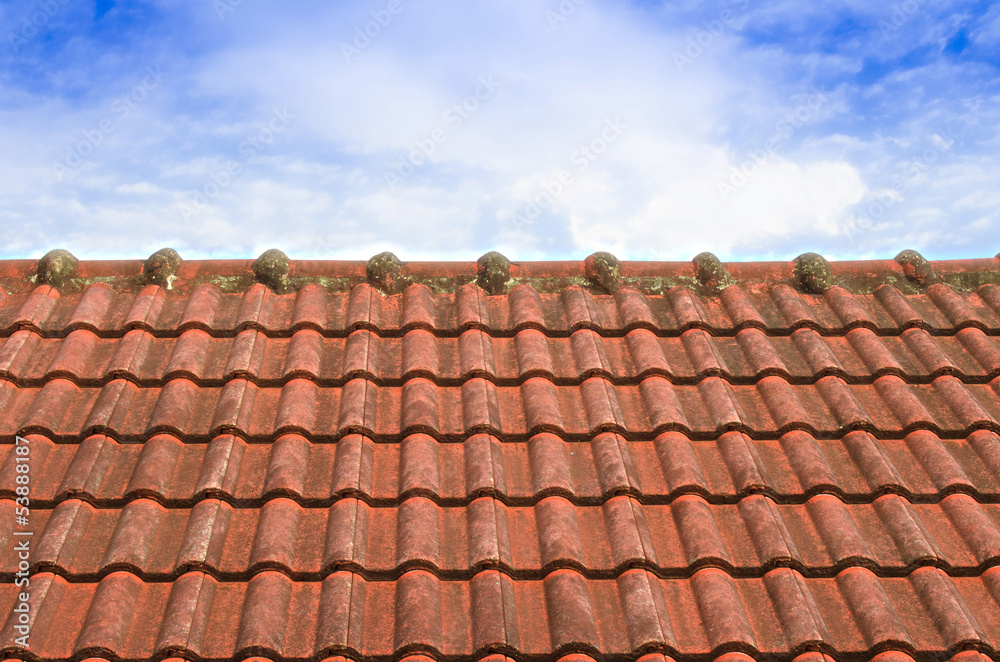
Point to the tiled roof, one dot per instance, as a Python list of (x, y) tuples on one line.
[(591, 460)]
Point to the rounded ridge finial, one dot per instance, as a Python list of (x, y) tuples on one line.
[(384, 271), (271, 269), (161, 267), (602, 268), (915, 267), (493, 273), (710, 271), (813, 273), (56, 267)]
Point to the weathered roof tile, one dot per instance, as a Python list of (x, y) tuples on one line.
[(555, 461)]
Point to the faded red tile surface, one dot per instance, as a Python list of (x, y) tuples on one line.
[(547, 474)]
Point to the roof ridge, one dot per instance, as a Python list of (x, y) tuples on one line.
[(601, 273)]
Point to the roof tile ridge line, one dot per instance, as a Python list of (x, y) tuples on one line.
[(491, 651), (520, 437), (534, 575), (969, 321), (565, 436), (389, 332), (909, 263), (524, 501), (99, 383), (569, 380), (469, 573), (158, 382)]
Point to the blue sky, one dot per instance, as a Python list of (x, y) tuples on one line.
[(544, 129)]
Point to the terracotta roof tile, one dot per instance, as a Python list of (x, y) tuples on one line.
[(657, 462)]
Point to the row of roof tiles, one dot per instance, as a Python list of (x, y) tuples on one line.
[(855, 613), (967, 655), (858, 467), (778, 309), (60, 409), (544, 531), (817, 538), (494, 273), (804, 356)]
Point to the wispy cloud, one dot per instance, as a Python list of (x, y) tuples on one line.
[(753, 130)]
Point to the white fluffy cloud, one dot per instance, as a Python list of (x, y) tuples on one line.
[(525, 127)]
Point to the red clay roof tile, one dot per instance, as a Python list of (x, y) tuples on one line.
[(709, 463)]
